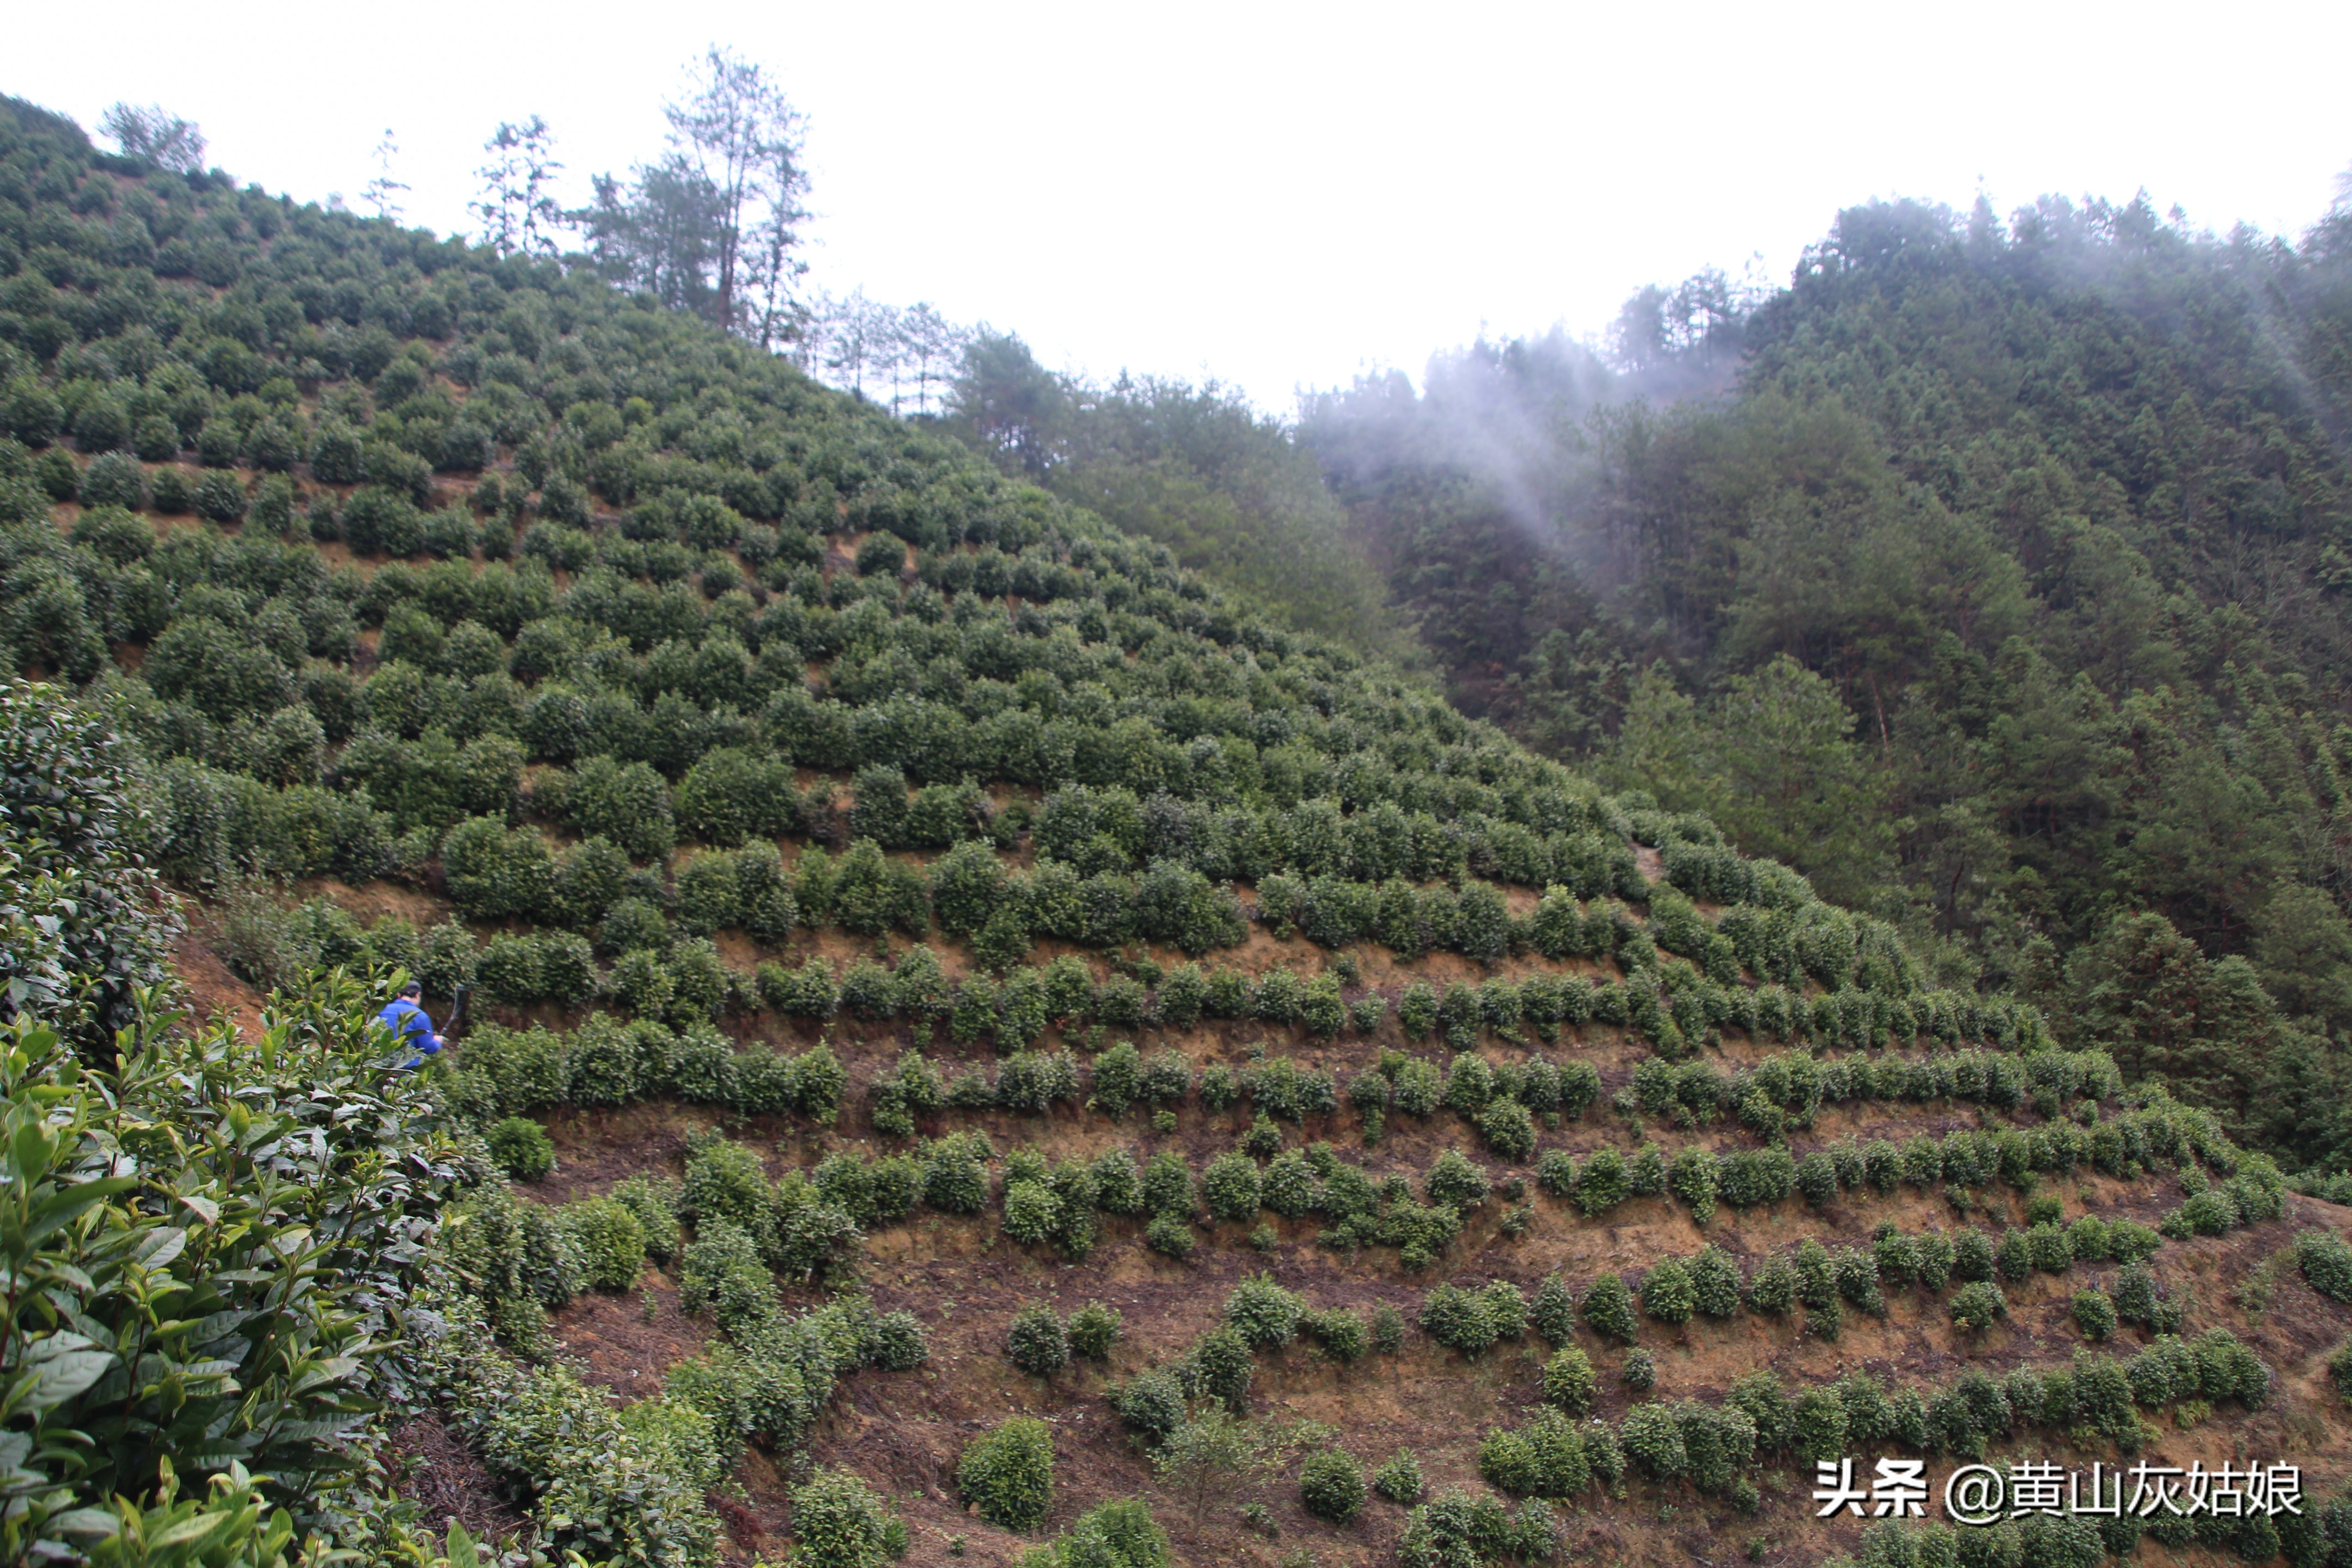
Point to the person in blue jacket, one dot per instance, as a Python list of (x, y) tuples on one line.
[(405, 1015)]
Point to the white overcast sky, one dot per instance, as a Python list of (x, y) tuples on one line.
[(1279, 195)]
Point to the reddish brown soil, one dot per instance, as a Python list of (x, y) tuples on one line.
[(619, 1344), (904, 1431), (213, 993), (447, 1482), (963, 1280), (378, 899)]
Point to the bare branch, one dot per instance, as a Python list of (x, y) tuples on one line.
[(381, 192), (161, 138)]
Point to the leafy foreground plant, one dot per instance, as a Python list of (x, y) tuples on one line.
[(214, 1245), (84, 925)]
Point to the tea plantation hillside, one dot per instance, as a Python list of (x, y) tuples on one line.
[(973, 1046)]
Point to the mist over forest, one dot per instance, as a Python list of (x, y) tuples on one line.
[(1962, 574)]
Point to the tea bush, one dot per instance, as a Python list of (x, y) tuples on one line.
[(609, 1240), (522, 1148), (838, 1521), (1399, 1480), (1459, 1320), (1037, 1342), (1007, 1473), (1569, 1382), (2325, 1261), (1093, 1329), (1607, 1309), (1331, 1485), (1265, 1314)]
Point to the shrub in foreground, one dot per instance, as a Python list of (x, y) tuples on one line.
[(1094, 1329), (1008, 1473), (838, 1521), (1331, 1485), (610, 1240), (522, 1148), (1037, 1344), (1399, 1480)]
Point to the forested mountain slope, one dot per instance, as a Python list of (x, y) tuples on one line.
[(977, 1047), (2005, 595), (1227, 488)]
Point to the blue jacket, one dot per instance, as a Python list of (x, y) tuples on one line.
[(412, 1028)]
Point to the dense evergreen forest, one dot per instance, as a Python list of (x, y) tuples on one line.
[(970, 1038)]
